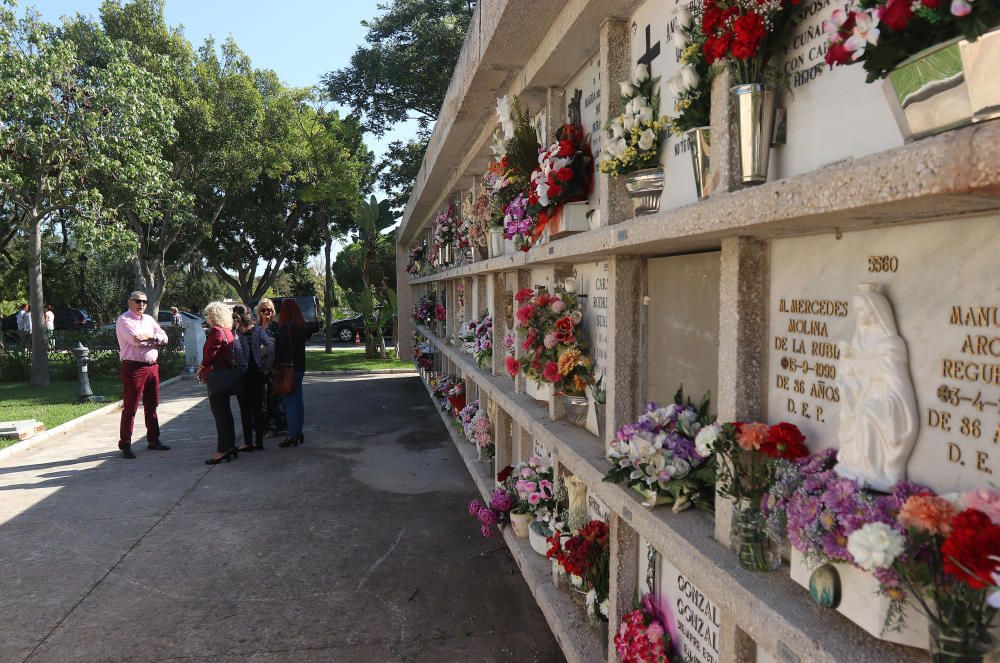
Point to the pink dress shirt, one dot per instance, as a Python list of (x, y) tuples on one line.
[(127, 326)]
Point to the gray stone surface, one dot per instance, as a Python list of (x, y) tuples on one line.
[(354, 547)]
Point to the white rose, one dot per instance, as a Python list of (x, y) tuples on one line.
[(690, 78), (627, 88), (647, 139), (615, 148), (504, 115), (640, 74), (569, 285), (706, 440), (628, 122), (875, 546), (617, 128), (679, 40), (683, 16), (676, 85), (645, 114)]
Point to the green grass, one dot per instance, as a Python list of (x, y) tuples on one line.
[(53, 405), (348, 360)]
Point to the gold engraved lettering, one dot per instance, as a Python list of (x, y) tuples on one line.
[(954, 453), (981, 345), (807, 327), (938, 419), (981, 458), (975, 316), (971, 371), (825, 349)]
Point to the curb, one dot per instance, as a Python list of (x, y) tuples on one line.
[(66, 427), (371, 371)]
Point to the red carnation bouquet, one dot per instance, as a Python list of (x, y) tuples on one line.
[(745, 34), (585, 555)]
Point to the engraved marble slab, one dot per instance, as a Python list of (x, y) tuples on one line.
[(941, 280), (588, 81), (696, 618), (592, 283)]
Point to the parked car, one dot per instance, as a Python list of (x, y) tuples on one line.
[(346, 329), (310, 311), (166, 318), (68, 318)]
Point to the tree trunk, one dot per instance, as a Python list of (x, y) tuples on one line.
[(39, 335), (328, 293)]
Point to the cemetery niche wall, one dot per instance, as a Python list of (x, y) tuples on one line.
[(841, 319)]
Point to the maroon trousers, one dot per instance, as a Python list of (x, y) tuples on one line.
[(141, 383)]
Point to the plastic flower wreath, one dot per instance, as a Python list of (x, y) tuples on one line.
[(882, 33), (657, 454), (549, 327), (633, 138)]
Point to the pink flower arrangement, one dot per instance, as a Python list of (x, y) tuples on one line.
[(549, 326), (643, 635)]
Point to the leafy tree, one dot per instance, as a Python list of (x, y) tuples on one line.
[(347, 268), (69, 125), (402, 73), (195, 285)]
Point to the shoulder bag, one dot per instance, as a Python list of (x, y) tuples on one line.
[(284, 379), (224, 381)]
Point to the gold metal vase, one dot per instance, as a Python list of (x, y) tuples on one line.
[(754, 105)]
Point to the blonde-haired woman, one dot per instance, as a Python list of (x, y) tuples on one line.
[(264, 339), (216, 355)]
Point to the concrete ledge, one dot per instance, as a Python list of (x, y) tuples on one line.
[(771, 608), (70, 425), (373, 371), (579, 642)]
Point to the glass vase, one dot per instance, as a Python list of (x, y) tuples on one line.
[(748, 538), (960, 645)]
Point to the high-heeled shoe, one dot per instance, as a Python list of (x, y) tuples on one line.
[(293, 441), (231, 453)]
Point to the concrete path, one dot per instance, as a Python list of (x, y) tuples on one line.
[(354, 547)]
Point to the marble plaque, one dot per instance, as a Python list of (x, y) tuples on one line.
[(652, 27), (941, 280), (695, 627), (597, 508), (588, 82), (832, 113), (682, 322), (592, 287)]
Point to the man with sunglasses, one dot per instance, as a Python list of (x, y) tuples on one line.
[(139, 338)]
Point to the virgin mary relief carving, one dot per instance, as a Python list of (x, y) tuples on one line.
[(878, 413)]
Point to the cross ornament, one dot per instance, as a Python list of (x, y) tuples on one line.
[(652, 51)]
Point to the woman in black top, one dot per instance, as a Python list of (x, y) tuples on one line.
[(253, 363), (291, 350)]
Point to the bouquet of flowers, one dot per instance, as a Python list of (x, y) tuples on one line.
[(585, 558), (511, 365), (423, 355), (423, 310), (443, 385), (691, 86), (745, 34), (531, 484), (944, 552), (565, 170), (658, 456), (634, 137), (465, 416), (493, 514), (519, 223), (466, 336), (415, 258), (882, 33), (476, 222), (480, 431), (643, 637), (445, 227), (550, 330), (440, 313), (482, 342), (456, 395)]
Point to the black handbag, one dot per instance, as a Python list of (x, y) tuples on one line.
[(224, 381)]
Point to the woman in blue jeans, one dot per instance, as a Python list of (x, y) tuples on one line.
[(290, 349)]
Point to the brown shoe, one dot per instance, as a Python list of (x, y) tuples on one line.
[(158, 447)]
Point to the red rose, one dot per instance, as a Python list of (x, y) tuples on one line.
[(837, 54), (524, 314), (564, 324), (896, 14), (532, 198), (565, 174), (523, 295), (749, 29), (716, 48), (505, 473), (554, 190), (710, 19), (513, 366), (968, 550), (566, 148), (785, 440), (743, 51), (551, 372)]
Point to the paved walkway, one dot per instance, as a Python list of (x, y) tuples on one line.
[(354, 547)]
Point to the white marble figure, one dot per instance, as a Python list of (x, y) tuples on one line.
[(576, 490), (878, 410)]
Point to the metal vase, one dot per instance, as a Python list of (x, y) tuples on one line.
[(699, 143), (447, 254), (496, 242), (946, 86), (644, 188), (754, 105)]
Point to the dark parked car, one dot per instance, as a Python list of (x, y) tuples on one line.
[(73, 319), (310, 311), (345, 329)]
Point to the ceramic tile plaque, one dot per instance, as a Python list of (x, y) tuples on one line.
[(889, 339), (652, 26), (832, 113)]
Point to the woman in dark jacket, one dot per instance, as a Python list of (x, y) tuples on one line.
[(290, 350), (218, 354), (253, 409), (265, 335)]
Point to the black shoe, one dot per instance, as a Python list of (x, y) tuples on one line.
[(126, 452), (289, 442), (245, 449), (232, 453), (158, 447)]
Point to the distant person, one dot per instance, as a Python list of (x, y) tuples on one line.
[(218, 354), (139, 337), (253, 409), (290, 351), (265, 337), (24, 325), (177, 316), (50, 326)]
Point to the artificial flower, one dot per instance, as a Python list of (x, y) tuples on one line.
[(512, 366), (875, 546), (751, 436), (786, 441), (705, 441), (927, 513), (640, 74), (568, 361), (971, 548), (551, 372), (961, 7), (986, 500)]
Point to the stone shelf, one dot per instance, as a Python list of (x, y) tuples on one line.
[(790, 622), (579, 642), (956, 173)]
